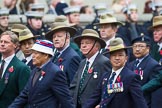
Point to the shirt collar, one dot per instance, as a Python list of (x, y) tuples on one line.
[(91, 60)]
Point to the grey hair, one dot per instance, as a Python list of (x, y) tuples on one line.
[(13, 36)]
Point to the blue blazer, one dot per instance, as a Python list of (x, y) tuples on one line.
[(68, 61), (131, 97), (48, 92), (149, 66)]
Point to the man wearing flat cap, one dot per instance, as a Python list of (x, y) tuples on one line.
[(65, 57), (4, 19), (27, 40), (35, 24), (91, 68), (119, 88), (47, 86), (144, 65), (73, 15)]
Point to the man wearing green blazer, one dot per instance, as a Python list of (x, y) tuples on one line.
[(13, 73)]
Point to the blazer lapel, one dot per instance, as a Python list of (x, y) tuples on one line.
[(90, 74), (6, 76)]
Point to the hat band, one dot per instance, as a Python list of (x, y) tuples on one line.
[(113, 48), (45, 44)]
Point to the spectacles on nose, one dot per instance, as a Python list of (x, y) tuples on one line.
[(139, 46)]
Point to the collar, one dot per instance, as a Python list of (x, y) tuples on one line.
[(141, 59), (63, 49), (28, 59), (91, 60), (8, 59), (108, 41)]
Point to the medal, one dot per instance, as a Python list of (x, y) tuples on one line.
[(95, 75)]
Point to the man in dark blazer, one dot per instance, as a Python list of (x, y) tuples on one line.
[(27, 40), (47, 86), (65, 57), (13, 73), (108, 26), (85, 80), (119, 88), (144, 65)]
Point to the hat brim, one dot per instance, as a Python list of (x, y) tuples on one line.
[(26, 38), (78, 39), (152, 27), (71, 30), (118, 23)]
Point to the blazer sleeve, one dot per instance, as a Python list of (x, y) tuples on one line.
[(95, 98), (73, 67), (61, 90), (21, 100), (152, 84), (136, 93)]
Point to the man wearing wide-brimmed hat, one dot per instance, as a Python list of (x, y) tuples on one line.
[(156, 50), (65, 57), (91, 68), (119, 88), (108, 27), (27, 40), (47, 86)]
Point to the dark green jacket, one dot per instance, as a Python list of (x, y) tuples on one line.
[(153, 84), (17, 74)]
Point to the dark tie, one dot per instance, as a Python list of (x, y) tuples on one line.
[(24, 60), (2, 67), (112, 78), (36, 76), (85, 73), (105, 94), (135, 65), (56, 56)]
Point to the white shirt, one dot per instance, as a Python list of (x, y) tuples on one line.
[(63, 50), (28, 59), (91, 60), (117, 73), (160, 46), (7, 61), (108, 41)]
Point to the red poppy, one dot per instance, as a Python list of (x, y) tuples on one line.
[(119, 78), (160, 52), (60, 60), (90, 70), (43, 73), (11, 69)]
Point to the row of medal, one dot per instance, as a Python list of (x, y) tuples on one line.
[(114, 88)]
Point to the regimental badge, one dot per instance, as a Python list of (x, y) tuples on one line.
[(115, 88)]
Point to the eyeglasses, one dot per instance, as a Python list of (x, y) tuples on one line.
[(139, 46)]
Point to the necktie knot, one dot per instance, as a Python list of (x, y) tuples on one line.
[(24, 60), (112, 77)]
